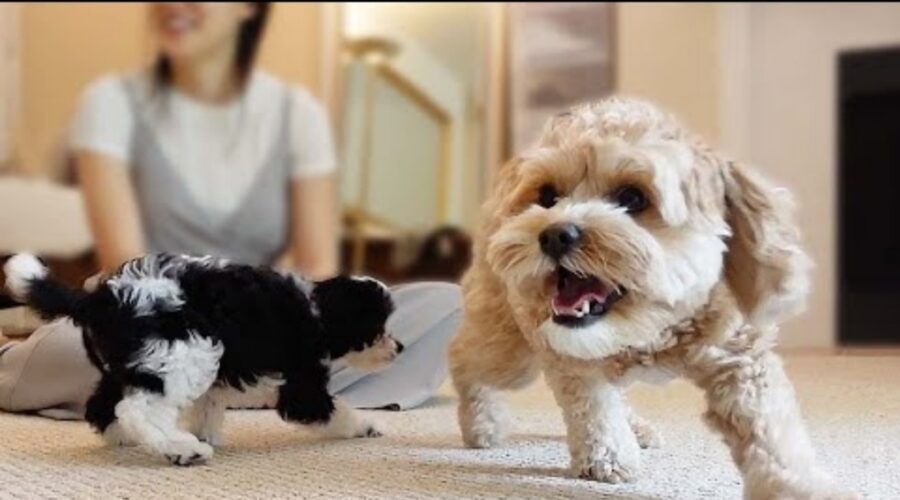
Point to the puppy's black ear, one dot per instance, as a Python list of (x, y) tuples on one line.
[(352, 310)]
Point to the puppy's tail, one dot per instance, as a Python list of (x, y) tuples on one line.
[(29, 281)]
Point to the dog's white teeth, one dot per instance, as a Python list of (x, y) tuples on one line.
[(579, 313), (582, 311)]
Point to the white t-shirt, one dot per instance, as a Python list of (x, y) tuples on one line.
[(217, 149)]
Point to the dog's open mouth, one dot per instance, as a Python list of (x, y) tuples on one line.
[(581, 300)]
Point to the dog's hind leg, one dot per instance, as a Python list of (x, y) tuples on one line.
[(153, 419), (100, 412), (647, 436), (206, 417), (753, 406), (168, 377), (486, 358)]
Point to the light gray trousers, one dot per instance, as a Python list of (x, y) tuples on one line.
[(49, 373)]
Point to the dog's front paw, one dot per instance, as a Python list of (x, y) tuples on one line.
[(115, 436), (188, 453), (214, 440), (347, 424), (369, 431), (481, 440), (210, 436), (483, 430), (483, 418), (647, 436), (607, 469)]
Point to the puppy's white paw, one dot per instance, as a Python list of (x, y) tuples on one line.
[(115, 436), (345, 423), (213, 439), (368, 430), (647, 436), (185, 453), (608, 469), (206, 429), (209, 434)]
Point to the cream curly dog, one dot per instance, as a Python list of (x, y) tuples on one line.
[(621, 245)]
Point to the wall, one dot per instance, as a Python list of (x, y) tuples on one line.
[(789, 119), (9, 78), (64, 47), (293, 45), (668, 53), (68, 45)]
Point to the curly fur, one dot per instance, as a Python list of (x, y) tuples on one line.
[(177, 335), (710, 268)]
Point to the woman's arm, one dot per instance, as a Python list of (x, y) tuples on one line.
[(313, 239), (111, 208)]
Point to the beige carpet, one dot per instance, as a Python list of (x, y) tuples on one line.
[(852, 404)]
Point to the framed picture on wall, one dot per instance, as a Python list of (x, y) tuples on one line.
[(560, 54)]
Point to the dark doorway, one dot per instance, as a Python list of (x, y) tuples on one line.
[(869, 194)]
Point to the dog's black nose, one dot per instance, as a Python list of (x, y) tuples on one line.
[(559, 239), (400, 346)]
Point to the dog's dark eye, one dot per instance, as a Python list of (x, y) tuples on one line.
[(631, 199), (547, 196)]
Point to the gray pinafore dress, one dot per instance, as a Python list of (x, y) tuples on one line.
[(255, 233)]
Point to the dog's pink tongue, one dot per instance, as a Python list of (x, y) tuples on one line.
[(572, 292)]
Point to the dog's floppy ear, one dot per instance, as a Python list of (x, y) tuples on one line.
[(508, 176), (765, 267), (505, 181)]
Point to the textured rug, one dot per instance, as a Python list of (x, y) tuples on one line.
[(852, 405)]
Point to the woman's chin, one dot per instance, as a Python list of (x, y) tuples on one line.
[(176, 46)]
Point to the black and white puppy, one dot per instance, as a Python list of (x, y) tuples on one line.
[(172, 333)]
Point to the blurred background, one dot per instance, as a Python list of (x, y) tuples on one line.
[(426, 100)]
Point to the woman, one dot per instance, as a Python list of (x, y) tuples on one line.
[(205, 155)]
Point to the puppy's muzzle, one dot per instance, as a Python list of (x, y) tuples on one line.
[(393, 346), (560, 239)]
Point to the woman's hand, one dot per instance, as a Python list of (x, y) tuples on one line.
[(313, 239), (111, 208)]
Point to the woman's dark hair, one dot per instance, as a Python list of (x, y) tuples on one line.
[(249, 36)]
